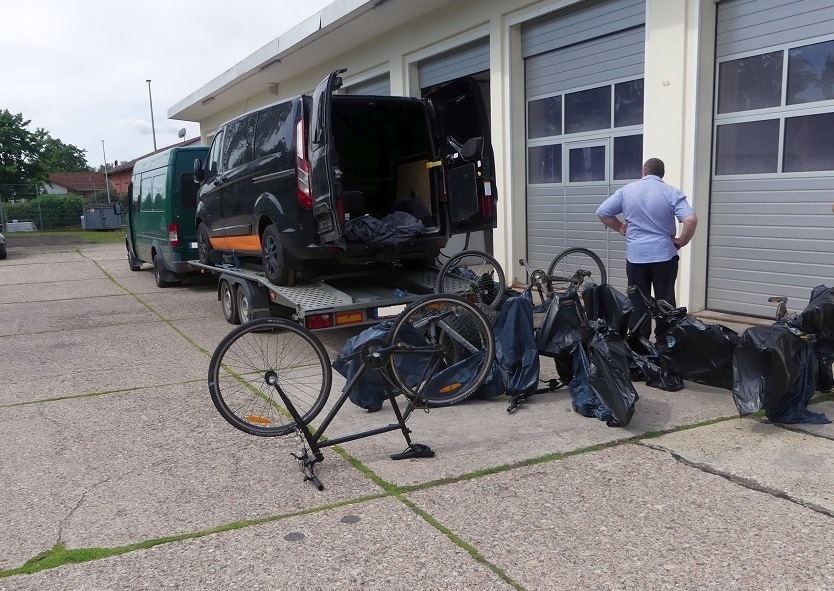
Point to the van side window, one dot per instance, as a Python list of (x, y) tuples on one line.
[(238, 144), (135, 193), (274, 131), (213, 161), (147, 194), (159, 192), (188, 191)]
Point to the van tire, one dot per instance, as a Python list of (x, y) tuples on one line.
[(204, 248), (273, 256), (132, 262), (228, 301), (159, 273)]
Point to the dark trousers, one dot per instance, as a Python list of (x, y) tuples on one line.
[(656, 279)]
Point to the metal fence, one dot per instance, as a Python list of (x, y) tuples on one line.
[(59, 212)]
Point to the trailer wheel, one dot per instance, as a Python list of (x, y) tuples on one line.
[(244, 306), (226, 291), (273, 256)]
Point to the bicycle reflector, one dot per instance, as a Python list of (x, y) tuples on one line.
[(450, 388), (263, 421)]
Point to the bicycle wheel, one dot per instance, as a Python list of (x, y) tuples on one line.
[(444, 350), (475, 275), (569, 261), (257, 358)]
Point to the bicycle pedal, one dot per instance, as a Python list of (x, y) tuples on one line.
[(415, 450)]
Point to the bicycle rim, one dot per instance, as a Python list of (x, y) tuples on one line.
[(445, 348), (269, 348), (474, 275), (568, 262)]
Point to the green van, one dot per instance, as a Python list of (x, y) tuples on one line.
[(162, 199)]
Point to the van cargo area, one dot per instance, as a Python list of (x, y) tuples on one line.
[(385, 154)]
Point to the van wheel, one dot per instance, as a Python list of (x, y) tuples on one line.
[(228, 301), (273, 256), (204, 248), (159, 273), (244, 306), (132, 262)]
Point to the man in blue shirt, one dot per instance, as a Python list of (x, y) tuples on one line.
[(651, 210)]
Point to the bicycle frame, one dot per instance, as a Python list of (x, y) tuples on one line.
[(374, 359)]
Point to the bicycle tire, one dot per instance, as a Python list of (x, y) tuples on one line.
[(483, 281), (463, 344), (241, 362), (569, 261)]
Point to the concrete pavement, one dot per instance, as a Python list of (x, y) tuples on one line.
[(118, 473)]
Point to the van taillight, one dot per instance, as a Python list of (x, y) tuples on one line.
[(173, 234), (302, 167)]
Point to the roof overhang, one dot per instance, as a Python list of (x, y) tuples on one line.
[(333, 31)]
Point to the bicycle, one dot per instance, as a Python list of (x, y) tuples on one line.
[(272, 377), (475, 275)]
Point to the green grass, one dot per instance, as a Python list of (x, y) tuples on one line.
[(87, 236)]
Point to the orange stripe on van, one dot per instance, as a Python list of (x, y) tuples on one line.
[(250, 242)]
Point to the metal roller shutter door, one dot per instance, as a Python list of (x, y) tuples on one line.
[(769, 233), (376, 86), (462, 61), (595, 44)]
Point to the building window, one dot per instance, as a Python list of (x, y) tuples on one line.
[(628, 157), (588, 110), (748, 83), (747, 148), (544, 164), (628, 103), (586, 164), (544, 117), (811, 73), (808, 143)]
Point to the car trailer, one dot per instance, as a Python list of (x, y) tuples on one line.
[(334, 301)]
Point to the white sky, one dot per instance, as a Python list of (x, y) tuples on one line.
[(78, 68)]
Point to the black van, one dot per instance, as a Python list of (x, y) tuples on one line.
[(311, 181)]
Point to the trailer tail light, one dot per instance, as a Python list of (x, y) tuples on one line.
[(302, 167), (173, 234), (318, 321)]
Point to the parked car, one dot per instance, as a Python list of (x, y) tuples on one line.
[(162, 200), (288, 181), (2, 246)]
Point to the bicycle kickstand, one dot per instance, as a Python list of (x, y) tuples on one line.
[(307, 462)]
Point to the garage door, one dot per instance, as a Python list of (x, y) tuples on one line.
[(770, 226), (584, 92), (376, 86), (465, 60)]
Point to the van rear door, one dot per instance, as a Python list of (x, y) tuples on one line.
[(463, 145), (325, 174)]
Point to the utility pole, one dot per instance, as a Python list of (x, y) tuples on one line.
[(153, 129), (106, 181)]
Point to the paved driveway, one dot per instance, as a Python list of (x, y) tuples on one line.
[(117, 473)]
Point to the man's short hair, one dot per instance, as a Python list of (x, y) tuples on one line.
[(654, 166)]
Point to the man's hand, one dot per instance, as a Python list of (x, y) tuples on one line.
[(622, 229)]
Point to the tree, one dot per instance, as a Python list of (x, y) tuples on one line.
[(60, 157), (20, 154)]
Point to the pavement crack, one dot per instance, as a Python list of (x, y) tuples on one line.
[(77, 506), (746, 482)]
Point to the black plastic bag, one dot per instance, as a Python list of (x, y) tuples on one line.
[(369, 390), (516, 354), (583, 398), (604, 301), (562, 326), (818, 316), (608, 356), (774, 368), (825, 355), (652, 367), (699, 352)]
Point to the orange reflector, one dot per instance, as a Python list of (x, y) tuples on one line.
[(343, 318), (258, 420), (450, 388)]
